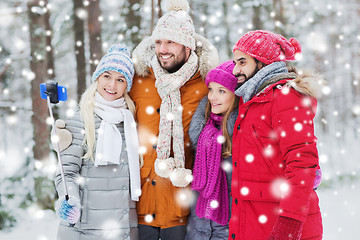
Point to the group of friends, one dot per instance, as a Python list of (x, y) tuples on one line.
[(168, 123)]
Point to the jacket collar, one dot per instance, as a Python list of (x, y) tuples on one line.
[(306, 84)]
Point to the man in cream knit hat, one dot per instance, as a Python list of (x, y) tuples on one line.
[(170, 67)]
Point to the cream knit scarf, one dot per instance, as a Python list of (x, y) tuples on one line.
[(109, 141), (170, 127)]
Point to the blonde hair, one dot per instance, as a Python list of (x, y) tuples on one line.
[(87, 103), (227, 145)]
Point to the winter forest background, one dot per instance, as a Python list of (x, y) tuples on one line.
[(62, 40)]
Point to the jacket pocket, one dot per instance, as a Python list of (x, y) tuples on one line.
[(144, 174), (146, 203), (261, 148)]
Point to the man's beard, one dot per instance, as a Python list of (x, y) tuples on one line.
[(174, 67), (178, 62), (246, 77)]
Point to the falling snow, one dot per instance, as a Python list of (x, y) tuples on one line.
[(330, 41)]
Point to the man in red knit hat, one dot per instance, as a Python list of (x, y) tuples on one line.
[(275, 158)]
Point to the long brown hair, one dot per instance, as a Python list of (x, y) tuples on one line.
[(227, 145)]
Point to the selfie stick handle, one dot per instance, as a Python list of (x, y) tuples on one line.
[(58, 149)]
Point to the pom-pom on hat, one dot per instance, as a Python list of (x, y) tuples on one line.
[(223, 75), (268, 47), (176, 25), (116, 59)]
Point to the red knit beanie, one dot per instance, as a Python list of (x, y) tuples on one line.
[(268, 47), (223, 75)]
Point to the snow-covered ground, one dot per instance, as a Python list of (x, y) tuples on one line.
[(340, 210)]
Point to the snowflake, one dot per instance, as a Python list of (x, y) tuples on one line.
[(55, 138), (249, 158), (149, 110), (138, 191), (298, 56), (153, 140), (111, 229), (214, 204), (262, 219), (142, 150), (38, 164), (149, 218), (326, 90), (306, 101), (80, 180), (298, 127), (226, 166), (170, 116), (280, 188), (70, 113), (184, 197), (220, 139), (269, 151), (356, 110), (244, 191), (49, 120), (81, 13)]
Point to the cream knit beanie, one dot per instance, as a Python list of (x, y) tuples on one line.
[(176, 25)]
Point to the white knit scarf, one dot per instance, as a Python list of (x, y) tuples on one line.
[(109, 142), (171, 128)]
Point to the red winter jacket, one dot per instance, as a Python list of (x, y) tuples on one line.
[(274, 162)]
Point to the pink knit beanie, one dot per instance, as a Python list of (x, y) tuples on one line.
[(223, 75), (268, 47)]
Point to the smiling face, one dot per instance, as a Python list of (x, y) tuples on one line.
[(245, 66), (111, 85), (171, 55), (221, 98)]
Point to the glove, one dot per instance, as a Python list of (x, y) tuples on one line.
[(68, 210), (286, 229), (317, 180), (62, 136)]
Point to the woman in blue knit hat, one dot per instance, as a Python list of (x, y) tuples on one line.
[(101, 165)]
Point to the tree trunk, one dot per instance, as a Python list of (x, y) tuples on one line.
[(152, 17), (49, 49), (79, 48), (228, 30), (38, 65), (257, 24), (160, 11), (279, 9), (133, 21), (94, 28)]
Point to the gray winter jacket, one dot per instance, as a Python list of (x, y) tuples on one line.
[(104, 192), (202, 228)]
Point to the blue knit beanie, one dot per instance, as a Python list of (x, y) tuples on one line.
[(116, 59)]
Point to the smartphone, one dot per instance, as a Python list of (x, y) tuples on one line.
[(54, 91)]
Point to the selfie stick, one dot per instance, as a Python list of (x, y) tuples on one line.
[(52, 97)]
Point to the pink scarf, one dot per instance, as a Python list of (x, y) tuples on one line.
[(209, 177)]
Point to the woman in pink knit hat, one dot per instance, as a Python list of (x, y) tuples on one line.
[(275, 158), (210, 132)]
